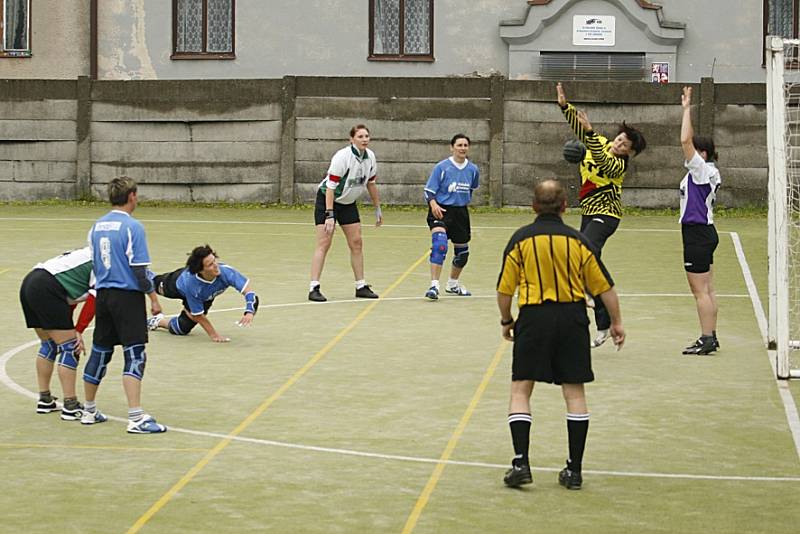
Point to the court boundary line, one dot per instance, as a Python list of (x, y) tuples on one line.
[(433, 480), (242, 426), (789, 406)]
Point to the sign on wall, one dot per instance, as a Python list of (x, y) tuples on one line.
[(659, 72), (593, 30)]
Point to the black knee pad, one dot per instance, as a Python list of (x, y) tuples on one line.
[(460, 256)]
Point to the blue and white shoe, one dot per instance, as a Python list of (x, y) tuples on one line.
[(91, 418), (459, 290), (146, 425), (432, 293), (152, 322)]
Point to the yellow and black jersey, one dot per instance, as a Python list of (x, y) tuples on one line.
[(550, 261), (602, 172)]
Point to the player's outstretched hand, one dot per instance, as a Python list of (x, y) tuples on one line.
[(246, 320), (562, 99), (686, 97), (583, 118), (618, 335), (220, 339)]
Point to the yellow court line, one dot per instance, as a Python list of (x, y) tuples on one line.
[(422, 501), (98, 447), (4, 271), (160, 503)]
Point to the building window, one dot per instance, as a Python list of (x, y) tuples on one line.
[(203, 29), (401, 30), (591, 66), (16, 28), (780, 18)]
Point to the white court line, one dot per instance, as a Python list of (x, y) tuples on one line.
[(789, 406), (11, 384), (291, 223)]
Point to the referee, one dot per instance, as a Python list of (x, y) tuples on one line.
[(549, 264)]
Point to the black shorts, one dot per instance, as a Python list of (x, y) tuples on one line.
[(597, 229), (343, 213), (44, 302), (699, 243), (551, 344), (166, 284), (455, 222), (120, 318)]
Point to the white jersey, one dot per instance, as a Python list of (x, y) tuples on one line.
[(349, 174), (73, 270)]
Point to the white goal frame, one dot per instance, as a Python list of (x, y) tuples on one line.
[(778, 336)]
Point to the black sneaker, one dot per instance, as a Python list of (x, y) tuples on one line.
[(364, 292), (716, 343), (46, 407), (72, 414), (703, 346), (316, 296), (518, 475), (570, 479)]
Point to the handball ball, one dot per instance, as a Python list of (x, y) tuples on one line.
[(574, 151)]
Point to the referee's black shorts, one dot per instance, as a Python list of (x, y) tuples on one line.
[(455, 222), (699, 243), (343, 213), (551, 344), (120, 318), (44, 302)]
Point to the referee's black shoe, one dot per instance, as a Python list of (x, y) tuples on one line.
[(703, 346), (570, 478), (316, 295), (518, 475)]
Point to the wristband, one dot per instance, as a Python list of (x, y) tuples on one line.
[(504, 322), (329, 214)]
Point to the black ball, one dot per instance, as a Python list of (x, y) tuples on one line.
[(574, 151)]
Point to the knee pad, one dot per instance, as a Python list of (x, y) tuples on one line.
[(181, 325), (67, 357), (48, 350), (438, 247), (461, 256), (135, 358), (95, 368)]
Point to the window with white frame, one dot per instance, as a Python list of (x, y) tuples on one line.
[(203, 29), (16, 28), (401, 30)]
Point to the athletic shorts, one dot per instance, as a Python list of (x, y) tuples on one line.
[(166, 284), (597, 229), (44, 302), (699, 243), (120, 318), (455, 222), (551, 344), (342, 213)]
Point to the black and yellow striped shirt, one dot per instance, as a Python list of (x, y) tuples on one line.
[(548, 260), (602, 172)]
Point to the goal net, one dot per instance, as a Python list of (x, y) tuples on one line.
[(783, 142)]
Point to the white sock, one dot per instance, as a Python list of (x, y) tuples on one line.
[(312, 284), (435, 283), (360, 284), (452, 282)]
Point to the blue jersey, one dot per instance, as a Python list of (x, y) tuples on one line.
[(451, 185), (196, 290), (118, 243)]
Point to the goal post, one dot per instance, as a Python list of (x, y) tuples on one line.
[(783, 145)]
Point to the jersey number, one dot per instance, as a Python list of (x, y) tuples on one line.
[(105, 252)]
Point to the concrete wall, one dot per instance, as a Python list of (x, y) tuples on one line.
[(271, 140), (59, 42), (322, 38)]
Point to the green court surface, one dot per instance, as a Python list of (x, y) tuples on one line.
[(390, 415)]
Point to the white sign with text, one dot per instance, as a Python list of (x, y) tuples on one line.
[(593, 30)]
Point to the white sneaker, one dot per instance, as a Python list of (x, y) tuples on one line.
[(91, 418), (146, 425), (459, 290), (600, 338), (152, 322)]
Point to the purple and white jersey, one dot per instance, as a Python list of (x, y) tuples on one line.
[(699, 191)]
